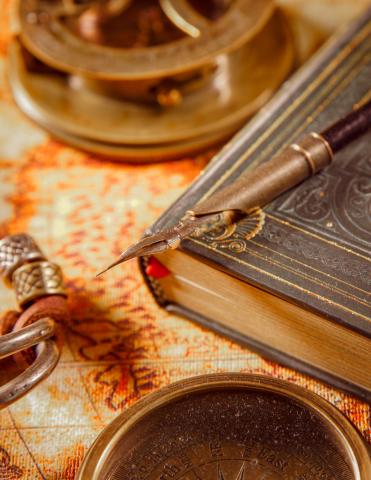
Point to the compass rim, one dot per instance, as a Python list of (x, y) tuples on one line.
[(344, 430)]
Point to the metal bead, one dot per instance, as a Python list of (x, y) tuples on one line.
[(15, 251), (38, 279), (52, 306)]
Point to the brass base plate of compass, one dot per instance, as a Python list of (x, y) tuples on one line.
[(229, 427), (210, 112)]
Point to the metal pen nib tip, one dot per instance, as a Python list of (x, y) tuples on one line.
[(118, 260), (137, 250), (160, 242), (100, 273)]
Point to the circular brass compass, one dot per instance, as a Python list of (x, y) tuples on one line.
[(229, 427), (147, 79)]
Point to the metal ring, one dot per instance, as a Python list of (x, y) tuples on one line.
[(185, 17), (47, 354), (26, 337), (318, 136), (306, 155)]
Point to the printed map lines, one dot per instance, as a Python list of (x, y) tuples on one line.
[(25, 444), (89, 396)]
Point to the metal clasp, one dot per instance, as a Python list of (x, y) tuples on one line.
[(47, 356)]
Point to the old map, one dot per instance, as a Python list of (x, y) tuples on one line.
[(83, 211)]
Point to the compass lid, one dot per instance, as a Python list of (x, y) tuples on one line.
[(229, 427), (45, 33)]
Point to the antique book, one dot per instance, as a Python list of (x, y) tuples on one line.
[(292, 281)]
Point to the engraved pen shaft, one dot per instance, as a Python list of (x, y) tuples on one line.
[(298, 162)]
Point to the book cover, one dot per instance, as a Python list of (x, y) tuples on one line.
[(313, 244)]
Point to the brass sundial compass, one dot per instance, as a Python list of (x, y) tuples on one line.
[(147, 79), (229, 427)]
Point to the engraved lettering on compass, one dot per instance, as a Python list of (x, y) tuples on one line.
[(185, 460), (231, 470), (228, 459), (169, 471), (216, 449), (248, 444), (248, 451), (270, 457), (303, 476)]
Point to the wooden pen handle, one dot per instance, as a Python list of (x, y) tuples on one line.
[(348, 128)]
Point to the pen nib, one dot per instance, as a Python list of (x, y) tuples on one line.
[(158, 243), (116, 262), (139, 249)]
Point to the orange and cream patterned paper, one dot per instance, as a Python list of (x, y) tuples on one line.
[(83, 211)]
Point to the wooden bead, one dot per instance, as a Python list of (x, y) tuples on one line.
[(7, 322), (55, 307)]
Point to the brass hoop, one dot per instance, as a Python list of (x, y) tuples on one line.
[(26, 337), (47, 356)]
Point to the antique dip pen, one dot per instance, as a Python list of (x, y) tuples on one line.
[(262, 185)]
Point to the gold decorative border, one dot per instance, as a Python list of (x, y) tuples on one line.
[(282, 280)]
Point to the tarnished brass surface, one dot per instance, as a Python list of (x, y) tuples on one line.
[(128, 153), (49, 39), (26, 337), (122, 117), (229, 427), (47, 354)]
